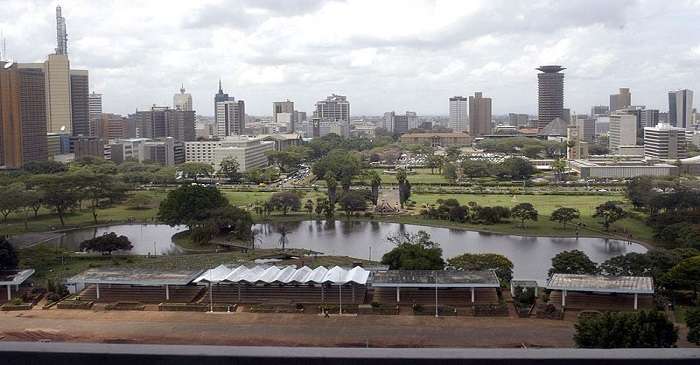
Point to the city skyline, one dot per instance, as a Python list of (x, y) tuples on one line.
[(142, 57)]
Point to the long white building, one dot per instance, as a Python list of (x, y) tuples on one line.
[(665, 142), (249, 152)]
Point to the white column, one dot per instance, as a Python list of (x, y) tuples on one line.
[(97, 290), (398, 294), (512, 290), (563, 298), (535, 291), (9, 292), (472, 295), (635, 301), (167, 292)]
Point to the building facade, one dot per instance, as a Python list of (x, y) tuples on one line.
[(459, 117), (680, 108), (94, 105), (665, 142), (438, 139), (161, 122), (621, 100), (249, 152), (182, 101), (550, 94), (622, 130), (22, 115), (479, 115), (110, 126), (80, 102)]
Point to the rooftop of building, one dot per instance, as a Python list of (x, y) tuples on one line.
[(600, 283), (428, 278), (550, 68), (435, 134), (14, 277), (611, 162), (134, 276)]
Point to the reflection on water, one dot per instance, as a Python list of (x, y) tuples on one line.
[(531, 256), (146, 238)]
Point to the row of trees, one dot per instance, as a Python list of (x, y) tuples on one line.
[(513, 168)]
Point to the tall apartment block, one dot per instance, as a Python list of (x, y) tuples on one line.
[(160, 122), (665, 142), (622, 130), (22, 115), (550, 94), (680, 108), (94, 105), (479, 115), (80, 102), (183, 100), (229, 114), (459, 117), (283, 111), (621, 100)]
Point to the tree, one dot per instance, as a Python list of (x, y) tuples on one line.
[(44, 167), (332, 185), (639, 190), (532, 151), (692, 320), (96, 187), (285, 201), (516, 168), (139, 200), (625, 330), (558, 166), (610, 212), (685, 275), (229, 168), (375, 182), (453, 152), (490, 215), (450, 172), (11, 199), (309, 207), (404, 186), (106, 243), (8, 255), (631, 264), (485, 261), (229, 221), (193, 170), (524, 211), (353, 201), (413, 252), (60, 191), (289, 158), (476, 168), (34, 200), (564, 215), (572, 262), (189, 204), (324, 206), (340, 164)]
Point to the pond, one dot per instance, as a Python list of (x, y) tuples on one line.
[(531, 256), (146, 238)]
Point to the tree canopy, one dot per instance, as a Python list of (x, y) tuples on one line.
[(625, 330), (564, 215), (572, 262), (106, 243), (610, 212), (285, 201), (485, 261), (524, 212), (8, 255), (413, 252), (189, 203)]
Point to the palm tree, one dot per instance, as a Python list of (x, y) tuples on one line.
[(282, 230), (309, 206)]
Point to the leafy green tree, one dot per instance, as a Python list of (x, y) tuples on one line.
[(453, 152), (229, 167), (97, 187), (353, 201), (189, 204), (685, 275), (8, 255), (625, 330), (485, 261), (472, 168), (285, 201), (34, 199), (233, 222), (631, 264), (639, 191), (375, 183), (559, 166), (288, 159), (610, 212), (309, 207), (435, 162), (61, 192), (515, 168), (139, 200), (572, 262), (340, 164), (564, 215), (450, 172), (332, 185), (413, 252), (106, 243), (324, 207), (11, 199), (692, 320), (681, 234), (404, 186), (490, 215), (524, 212), (44, 167), (194, 170), (532, 151)]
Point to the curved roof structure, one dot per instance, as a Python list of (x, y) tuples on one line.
[(599, 283), (287, 274)]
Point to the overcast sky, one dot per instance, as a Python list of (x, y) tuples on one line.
[(384, 55)]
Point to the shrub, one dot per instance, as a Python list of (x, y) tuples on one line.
[(692, 320), (626, 330)]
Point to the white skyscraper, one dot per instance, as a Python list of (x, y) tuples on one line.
[(182, 101), (622, 131), (680, 108), (665, 142), (230, 117), (94, 105), (459, 119)]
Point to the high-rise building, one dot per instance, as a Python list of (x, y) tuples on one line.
[(94, 105), (80, 102), (518, 120), (332, 115), (665, 142), (229, 114), (22, 115), (621, 100), (286, 108), (459, 119), (586, 129), (61, 34), (600, 110), (680, 108), (550, 94), (399, 124), (182, 101), (622, 130), (109, 126), (160, 122), (58, 105), (479, 115)]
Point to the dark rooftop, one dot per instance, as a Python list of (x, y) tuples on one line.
[(551, 68), (426, 278), (134, 276)]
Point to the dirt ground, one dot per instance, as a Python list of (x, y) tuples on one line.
[(252, 329)]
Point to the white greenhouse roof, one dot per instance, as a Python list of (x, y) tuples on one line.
[(599, 283), (287, 274)]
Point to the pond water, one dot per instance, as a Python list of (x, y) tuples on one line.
[(531, 256), (146, 238)]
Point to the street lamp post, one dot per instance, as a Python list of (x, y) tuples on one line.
[(436, 294)]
